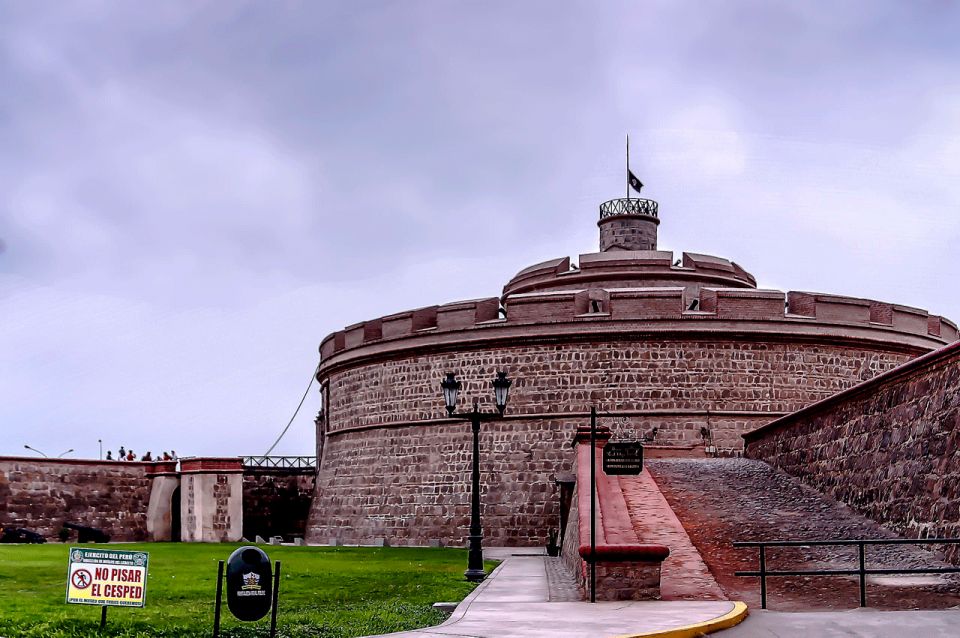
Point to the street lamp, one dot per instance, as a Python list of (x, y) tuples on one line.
[(501, 391), (60, 456), (36, 450)]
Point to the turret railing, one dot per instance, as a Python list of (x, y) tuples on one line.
[(630, 206)]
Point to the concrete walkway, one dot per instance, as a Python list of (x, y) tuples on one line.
[(512, 602), (857, 623)]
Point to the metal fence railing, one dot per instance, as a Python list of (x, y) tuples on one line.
[(861, 571), (298, 462)]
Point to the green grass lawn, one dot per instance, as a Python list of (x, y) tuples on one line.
[(328, 592)]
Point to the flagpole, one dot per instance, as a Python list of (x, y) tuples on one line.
[(628, 166)]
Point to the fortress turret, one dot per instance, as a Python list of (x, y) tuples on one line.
[(628, 224)]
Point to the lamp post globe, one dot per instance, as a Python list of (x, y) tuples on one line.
[(501, 391), (451, 388)]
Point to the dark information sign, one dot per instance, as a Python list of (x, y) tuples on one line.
[(622, 457)]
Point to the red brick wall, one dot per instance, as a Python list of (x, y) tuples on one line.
[(42, 494), (888, 448)]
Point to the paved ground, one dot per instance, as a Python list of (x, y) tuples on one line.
[(723, 500), (848, 624), (684, 574), (561, 584), (512, 603)]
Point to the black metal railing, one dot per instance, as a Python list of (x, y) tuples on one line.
[(631, 206), (861, 571), (303, 462)]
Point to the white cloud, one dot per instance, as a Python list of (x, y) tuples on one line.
[(194, 200)]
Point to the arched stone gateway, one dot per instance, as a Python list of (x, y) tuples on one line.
[(686, 351)]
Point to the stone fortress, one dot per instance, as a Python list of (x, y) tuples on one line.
[(685, 352), (858, 399)]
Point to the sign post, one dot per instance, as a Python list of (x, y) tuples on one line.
[(593, 504), (107, 578)]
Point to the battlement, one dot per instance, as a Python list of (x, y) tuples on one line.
[(630, 269), (453, 316), (669, 305)]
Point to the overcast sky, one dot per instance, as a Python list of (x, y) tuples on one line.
[(192, 195)]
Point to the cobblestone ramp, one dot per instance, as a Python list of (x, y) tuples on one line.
[(684, 575), (719, 501)]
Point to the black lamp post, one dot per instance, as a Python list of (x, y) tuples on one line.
[(501, 391)]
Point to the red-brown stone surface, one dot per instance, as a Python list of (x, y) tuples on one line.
[(720, 501), (42, 494), (412, 485), (890, 448), (276, 501), (394, 467), (684, 575)]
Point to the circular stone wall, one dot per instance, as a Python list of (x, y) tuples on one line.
[(394, 467)]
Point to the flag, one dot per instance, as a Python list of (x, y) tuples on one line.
[(635, 183)]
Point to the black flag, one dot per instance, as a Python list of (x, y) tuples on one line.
[(635, 183)]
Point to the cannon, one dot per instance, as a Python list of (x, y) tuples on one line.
[(88, 534), (20, 535)]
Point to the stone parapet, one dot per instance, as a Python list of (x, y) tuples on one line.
[(626, 567), (629, 269), (886, 447), (564, 314), (211, 464), (162, 468)]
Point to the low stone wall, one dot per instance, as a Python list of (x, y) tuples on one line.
[(276, 501), (208, 499), (626, 567), (887, 447), (43, 494)]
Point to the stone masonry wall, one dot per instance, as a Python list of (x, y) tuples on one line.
[(276, 501), (42, 494), (412, 485), (667, 383), (889, 448), (394, 467), (628, 233)]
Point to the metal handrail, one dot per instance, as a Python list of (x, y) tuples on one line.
[(629, 206), (304, 462), (861, 571)]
